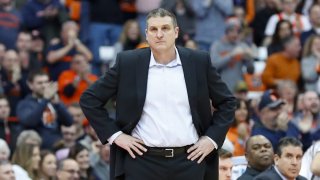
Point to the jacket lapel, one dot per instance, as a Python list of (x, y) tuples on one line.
[(142, 69)]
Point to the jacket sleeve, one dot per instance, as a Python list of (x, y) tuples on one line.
[(267, 76), (224, 103), (30, 113), (64, 116), (94, 99)]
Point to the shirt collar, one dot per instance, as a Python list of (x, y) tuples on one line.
[(279, 173), (173, 63)]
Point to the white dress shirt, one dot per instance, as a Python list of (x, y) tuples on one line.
[(166, 119)]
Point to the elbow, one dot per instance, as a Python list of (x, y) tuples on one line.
[(50, 58)]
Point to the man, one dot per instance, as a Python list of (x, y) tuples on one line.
[(6, 171), (314, 17), (310, 163), (225, 164), (68, 169), (42, 110), (287, 161), (163, 109), (78, 119), (259, 154)]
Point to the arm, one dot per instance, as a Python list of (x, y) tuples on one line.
[(225, 6), (55, 55), (95, 97), (30, 112), (268, 73), (80, 47), (223, 101), (64, 116), (315, 165), (218, 60)]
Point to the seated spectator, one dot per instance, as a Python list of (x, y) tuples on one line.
[(73, 82), (239, 130), (259, 154), (310, 66), (283, 65), (26, 160), (9, 129), (78, 119), (81, 154), (287, 91), (60, 55), (48, 166), (274, 123), (68, 169), (6, 170), (68, 137), (225, 164), (283, 29), (29, 137), (100, 161), (42, 110), (4, 150), (287, 161), (310, 167)]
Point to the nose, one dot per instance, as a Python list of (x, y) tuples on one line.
[(159, 34)]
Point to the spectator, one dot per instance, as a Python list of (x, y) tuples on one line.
[(4, 150), (259, 154), (287, 161), (283, 65), (26, 159), (11, 23), (283, 29), (29, 137), (230, 55), (225, 164), (310, 167), (78, 119), (68, 137), (46, 16), (100, 161), (300, 22), (68, 169), (48, 166), (310, 64), (81, 154), (314, 16), (9, 130), (6, 171), (42, 109), (287, 91), (73, 82), (274, 123), (207, 12), (60, 55)]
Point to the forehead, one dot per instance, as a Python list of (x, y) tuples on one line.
[(259, 141), (225, 162), (159, 21), (41, 78), (296, 150)]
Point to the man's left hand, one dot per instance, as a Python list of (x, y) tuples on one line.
[(200, 149)]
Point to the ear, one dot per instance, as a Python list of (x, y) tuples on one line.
[(276, 159), (29, 85), (176, 30), (146, 31)]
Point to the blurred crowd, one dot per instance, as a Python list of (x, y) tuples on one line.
[(267, 51)]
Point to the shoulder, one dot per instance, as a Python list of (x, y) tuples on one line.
[(301, 178), (268, 174)]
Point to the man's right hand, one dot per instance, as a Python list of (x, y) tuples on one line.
[(130, 144)]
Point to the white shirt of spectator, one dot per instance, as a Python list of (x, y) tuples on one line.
[(307, 160)]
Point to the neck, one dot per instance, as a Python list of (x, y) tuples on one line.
[(164, 57)]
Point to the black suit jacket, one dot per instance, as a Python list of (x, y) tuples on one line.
[(271, 174), (127, 81)]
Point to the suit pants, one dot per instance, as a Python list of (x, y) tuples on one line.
[(153, 167)]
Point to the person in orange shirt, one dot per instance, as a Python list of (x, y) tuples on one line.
[(73, 82)]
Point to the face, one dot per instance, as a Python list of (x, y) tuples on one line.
[(161, 33), (289, 6), (4, 155), (10, 60), (70, 170), (311, 102), (79, 64), (316, 44), (36, 158), (293, 48), (241, 113), (268, 116), (233, 34), (49, 165), (69, 30), (133, 31), (315, 15), (83, 159), (4, 109), (225, 168), (6, 172), (288, 92), (77, 115), (69, 133), (284, 30), (24, 41), (289, 163), (259, 153), (38, 85)]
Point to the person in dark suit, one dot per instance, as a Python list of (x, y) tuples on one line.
[(259, 154), (287, 161), (165, 128)]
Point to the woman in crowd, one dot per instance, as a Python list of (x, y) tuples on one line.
[(48, 165), (310, 63), (283, 29), (239, 130), (81, 154), (26, 159)]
